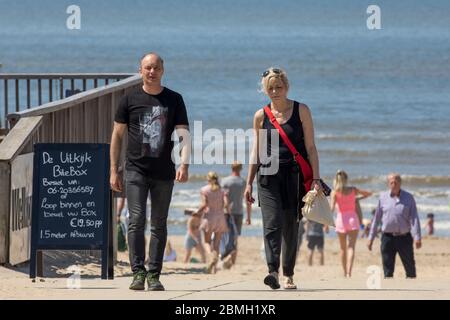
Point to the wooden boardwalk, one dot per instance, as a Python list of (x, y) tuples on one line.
[(86, 117)]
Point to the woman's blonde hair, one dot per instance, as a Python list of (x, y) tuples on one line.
[(273, 73), (340, 180), (213, 180)]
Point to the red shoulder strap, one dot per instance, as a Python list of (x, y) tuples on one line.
[(304, 165)]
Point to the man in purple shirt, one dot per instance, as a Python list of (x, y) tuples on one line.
[(400, 227)]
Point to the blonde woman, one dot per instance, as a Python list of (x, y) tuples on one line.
[(280, 193), (214, 206), (343, 200)]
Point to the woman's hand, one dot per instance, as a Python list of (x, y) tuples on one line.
[(316, 185), (248, 193)]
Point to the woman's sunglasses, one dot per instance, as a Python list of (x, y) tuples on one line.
[(266, 73)]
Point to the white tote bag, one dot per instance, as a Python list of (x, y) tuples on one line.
[(317, 208)]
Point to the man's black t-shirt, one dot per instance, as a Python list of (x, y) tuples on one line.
[(151, 120)]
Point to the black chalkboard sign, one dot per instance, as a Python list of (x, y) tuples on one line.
[(72, 201)]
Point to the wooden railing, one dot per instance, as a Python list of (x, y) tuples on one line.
[(86, 117), (24, 91)]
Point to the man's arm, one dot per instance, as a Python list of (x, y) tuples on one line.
[(226, 203), (182, 174), (374, 225), (249, 213), (116, 146), (415, 224)]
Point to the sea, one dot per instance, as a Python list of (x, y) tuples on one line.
[(380, 98)]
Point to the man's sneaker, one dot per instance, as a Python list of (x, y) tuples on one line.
[(138, 280), (153, 283), (272, 280)]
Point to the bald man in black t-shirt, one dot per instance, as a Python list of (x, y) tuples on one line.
[(150, 115)]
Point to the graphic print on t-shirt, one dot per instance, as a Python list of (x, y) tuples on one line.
[(153, 131)]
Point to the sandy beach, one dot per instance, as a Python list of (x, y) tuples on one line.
[(242, 281)]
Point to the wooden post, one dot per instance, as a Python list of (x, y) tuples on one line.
[(6, 101), (5, 184), (50, 90), (111, 238), (40, 264), (17, 96), (114, 227), (39, 91), (28, 94), (61, 88)]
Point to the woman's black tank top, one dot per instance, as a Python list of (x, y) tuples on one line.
[(294, 130)]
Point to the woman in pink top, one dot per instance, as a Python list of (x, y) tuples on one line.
[(343, 198), (214, 206)]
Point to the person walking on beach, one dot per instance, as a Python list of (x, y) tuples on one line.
[(228, 244), (430, 224), (280, 193), (315, 237), (193, 237), (234, 185), (150, 114), (343, 198), (214, 206), (400, 227)]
